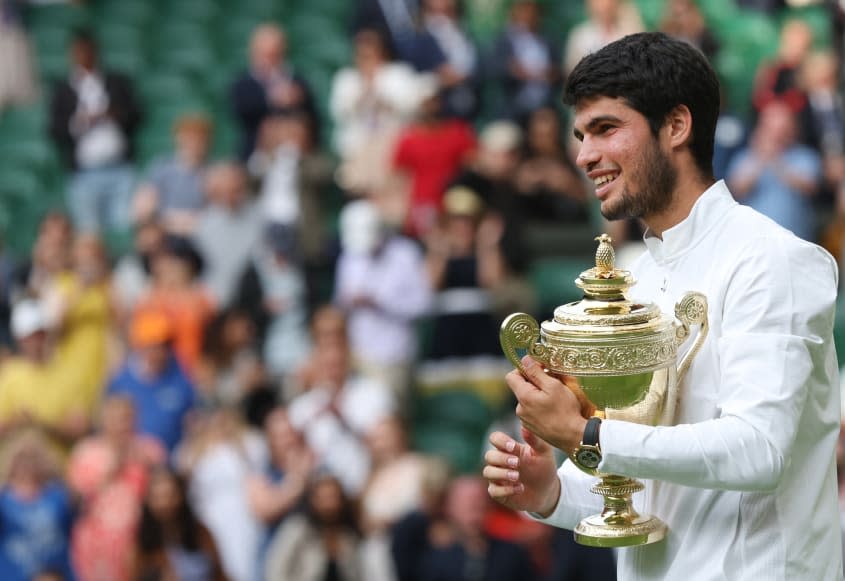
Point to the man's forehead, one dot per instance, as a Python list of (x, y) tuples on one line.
[(590, 108)]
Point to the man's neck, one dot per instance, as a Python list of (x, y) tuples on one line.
[(685, 196)]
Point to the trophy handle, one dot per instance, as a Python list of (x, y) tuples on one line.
[(520, 331), (690, 310)]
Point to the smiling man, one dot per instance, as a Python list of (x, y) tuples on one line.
[(745, 475)]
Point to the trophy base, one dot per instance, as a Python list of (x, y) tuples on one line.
[(594, 531)]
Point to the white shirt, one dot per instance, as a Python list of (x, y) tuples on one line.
[(395, 282), (746, 478)]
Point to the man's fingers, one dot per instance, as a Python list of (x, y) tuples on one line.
[(494, 474), (501, 459), (535, 374), (505, 443), (502, 492)]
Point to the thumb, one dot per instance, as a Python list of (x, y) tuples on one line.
[(535, 374), (535, 442)]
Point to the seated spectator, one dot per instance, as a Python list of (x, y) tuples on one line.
[(525, 63), (273, 292), (80, 309), (231, 365), (270, 86), (50, 258), (370, 103), (430, 152), (682, 19), (109, 472), (279, 491), (171, 542), (381, 285), (177, 292), (548, 185), (219, 460), (153, 380), (132, 275), (320, 544), (36, 510), (335, 414), (18, 82), (93, 118), (35, 390), (777, 80), (776, 175), (173, 192), (328, 328), (607, 21), (227, 230)]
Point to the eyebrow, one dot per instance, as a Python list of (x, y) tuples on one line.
[(595, 122)]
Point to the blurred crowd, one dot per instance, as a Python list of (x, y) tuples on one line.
[(234, 397)]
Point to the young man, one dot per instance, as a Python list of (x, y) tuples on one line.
[(745, 478)]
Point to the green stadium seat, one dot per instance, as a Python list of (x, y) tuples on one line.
[(553, 279), (461, 449)]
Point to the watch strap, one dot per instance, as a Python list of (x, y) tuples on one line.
[(591, 432)]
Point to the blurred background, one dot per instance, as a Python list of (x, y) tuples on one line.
[(254, 255)]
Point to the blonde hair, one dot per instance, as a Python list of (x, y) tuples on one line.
[(31, 443)]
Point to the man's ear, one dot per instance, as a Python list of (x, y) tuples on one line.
[(679, 126)]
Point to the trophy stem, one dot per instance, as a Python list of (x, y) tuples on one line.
[(618, 525)]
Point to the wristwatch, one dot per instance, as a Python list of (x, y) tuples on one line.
[(588, 454)]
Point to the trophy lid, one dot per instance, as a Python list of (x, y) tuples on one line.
[(605, 308)]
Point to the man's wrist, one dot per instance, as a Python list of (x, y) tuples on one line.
[(552, 500)]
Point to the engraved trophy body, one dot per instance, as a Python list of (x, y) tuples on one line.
[(622, 355)]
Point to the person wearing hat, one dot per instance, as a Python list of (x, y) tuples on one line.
[(153, 379), (35, 390)]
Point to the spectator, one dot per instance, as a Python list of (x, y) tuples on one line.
[(328, 329), (777, 176), (463, 550), (336, 413), (682, 19), (459, 72), (381, 285), (294, 177), (177, 292), (270, 86), (152, 379), (93, 118), (278, 492), (525, 63), (109, 472), (778, 80), (608, 20), (273, 292), (80, 308), (370, 103), (36, 510), (548, 186), (464, 263), (7, 286), (231, 365), (430, 151), (171, 542), (50, 259), (173, 191), (219, 460), (34, 388), (227, 231), (132, 275), (320, 544), (17, 76)]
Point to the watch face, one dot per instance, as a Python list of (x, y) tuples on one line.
[(588, 457)]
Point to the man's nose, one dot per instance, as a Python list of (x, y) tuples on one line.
[(588, 155)]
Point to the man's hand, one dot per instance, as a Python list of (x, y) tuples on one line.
[(522, 476), (548, 407)]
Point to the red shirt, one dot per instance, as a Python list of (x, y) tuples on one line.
[(431, 155)]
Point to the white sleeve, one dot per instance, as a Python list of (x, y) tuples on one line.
[(774, 347)]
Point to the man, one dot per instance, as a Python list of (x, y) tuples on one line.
[(93, 116), (745, 478)]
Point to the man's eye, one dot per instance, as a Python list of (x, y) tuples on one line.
[(603, 129)]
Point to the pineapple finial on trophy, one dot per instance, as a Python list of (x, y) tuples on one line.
[(605, 257)]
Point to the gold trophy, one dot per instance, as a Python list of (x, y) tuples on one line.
[(620, 355)]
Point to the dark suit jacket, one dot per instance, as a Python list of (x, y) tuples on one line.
[(123, 108), (251, 107)]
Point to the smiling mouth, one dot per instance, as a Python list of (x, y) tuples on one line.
[(605, 179)]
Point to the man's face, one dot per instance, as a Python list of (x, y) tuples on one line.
[(633, 175)]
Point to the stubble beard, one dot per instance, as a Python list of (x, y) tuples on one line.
[(657, 181)]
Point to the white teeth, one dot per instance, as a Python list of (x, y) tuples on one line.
[(599, 181)]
